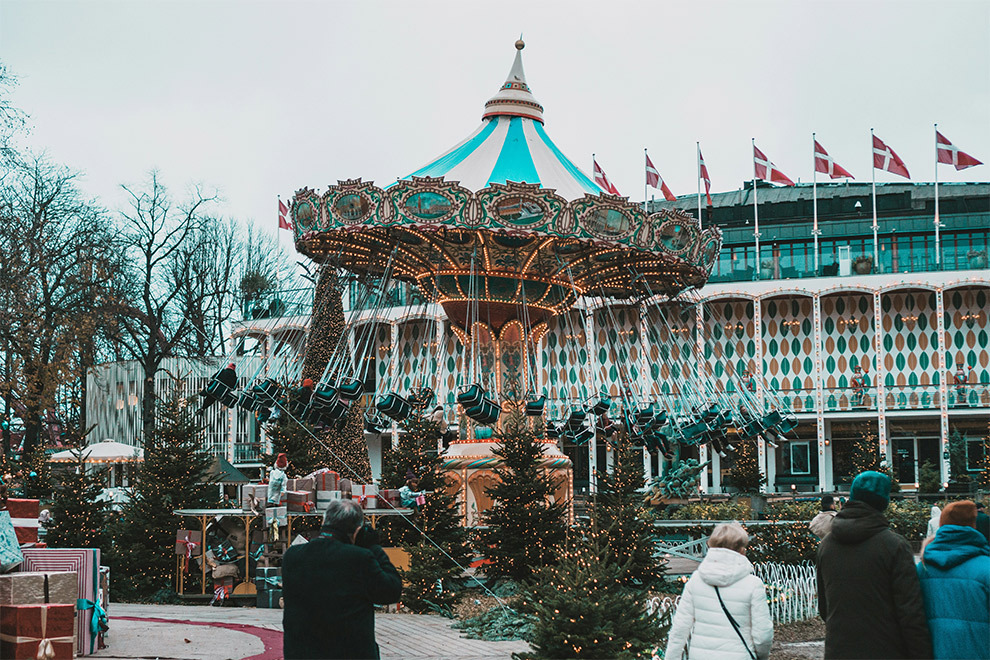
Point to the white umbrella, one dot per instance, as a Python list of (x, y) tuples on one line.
[(107, 451)]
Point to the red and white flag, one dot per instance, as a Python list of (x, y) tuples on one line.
[(703, 175), (885, 159), (766, 170), (826, 165), (654, 179), (949, 154), (283, 216), (602, 180)]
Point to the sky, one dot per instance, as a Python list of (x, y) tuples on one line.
[(260, 99)]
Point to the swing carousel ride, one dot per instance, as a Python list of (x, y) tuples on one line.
[(508, 237)]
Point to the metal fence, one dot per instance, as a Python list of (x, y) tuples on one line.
[(792, 593)]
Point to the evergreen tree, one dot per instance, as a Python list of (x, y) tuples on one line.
[(170, 478), (958, 474), (431, 569), (78, 519), (36, 472), (984, 476), (580, 608), (620, 510), (296, 440), (525, 529), (745, 471), (345, 439)]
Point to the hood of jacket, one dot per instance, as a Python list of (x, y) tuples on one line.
[(953, 545), (857, 522), (722, 567)]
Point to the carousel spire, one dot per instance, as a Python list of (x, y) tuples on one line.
[(514, 98)]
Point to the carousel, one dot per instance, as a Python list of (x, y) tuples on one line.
[(507, 236)]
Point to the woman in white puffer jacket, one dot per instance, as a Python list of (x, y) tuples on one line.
[(700, 623)]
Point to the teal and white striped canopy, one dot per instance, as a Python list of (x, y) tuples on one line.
[(511, 145)]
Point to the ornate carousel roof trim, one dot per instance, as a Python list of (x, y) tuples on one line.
[(511, 145)]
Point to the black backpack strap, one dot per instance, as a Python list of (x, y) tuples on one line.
[(735, 626)]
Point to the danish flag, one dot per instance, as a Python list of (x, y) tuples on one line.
[(654, 179), (949, 154), (283, 216), (885, 159), (602, 180), (703, 175), (826, 165), (766, 170)]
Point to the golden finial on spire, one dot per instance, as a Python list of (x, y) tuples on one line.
[(520, 44)]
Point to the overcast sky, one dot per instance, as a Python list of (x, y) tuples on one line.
[(262, 98)]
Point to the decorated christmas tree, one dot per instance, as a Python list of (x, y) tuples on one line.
[(170, 478), (621, 512), (36, 476), (79, 520), (745, 471), (525, 527), (298, 441), (959, 478), (435, 541), (343, 443), (582, 609)]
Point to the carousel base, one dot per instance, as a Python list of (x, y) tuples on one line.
[(470, 468)]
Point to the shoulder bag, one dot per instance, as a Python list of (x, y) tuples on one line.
[(735, 626)]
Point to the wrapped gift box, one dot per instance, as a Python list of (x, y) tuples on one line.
[(268, 577), (188, 543), (301, 501), (224, 571), (366, 494), (270, 599), (10, 549), (391, 496), (324, 479), (277, 514), (257, 491), (328, 495), (23, 627), (301, 484), (85, 562), (24, 514), (39, 588)]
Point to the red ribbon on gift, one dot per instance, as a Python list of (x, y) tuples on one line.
[(190, 547), (308, 507)]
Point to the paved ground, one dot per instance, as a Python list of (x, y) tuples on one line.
[(194, 632)]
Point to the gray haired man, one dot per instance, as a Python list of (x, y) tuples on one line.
[(331, 585)]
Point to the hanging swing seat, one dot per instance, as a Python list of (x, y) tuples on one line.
[(583, 436), (394, 407), (373, 423), (535, 407), (576, 419), (553, 430), (599, 406), (471, 396), (772, 419), (485, 413), (788, 423), (248, 401), (222, 393), (692, 432), (422, 397), (267, 391), (350, 390), (751, 429)]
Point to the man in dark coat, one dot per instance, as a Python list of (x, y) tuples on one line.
[(868, 590), (331, 585)]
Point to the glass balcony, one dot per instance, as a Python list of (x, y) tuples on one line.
[(850, 399)]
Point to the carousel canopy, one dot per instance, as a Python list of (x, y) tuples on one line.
[(511, 145)]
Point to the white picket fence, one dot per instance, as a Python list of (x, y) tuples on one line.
[(792, 593)]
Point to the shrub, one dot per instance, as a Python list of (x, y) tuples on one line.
[(909, 518)]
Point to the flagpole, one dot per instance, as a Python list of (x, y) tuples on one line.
[(646, 208), (814, 197), (698, 144), (876, 251), (938, 249), (756, 213)]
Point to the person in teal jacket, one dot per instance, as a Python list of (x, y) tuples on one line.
[(955, 584)]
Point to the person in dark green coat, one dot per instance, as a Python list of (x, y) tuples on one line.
[(331, 585), (868, 591)]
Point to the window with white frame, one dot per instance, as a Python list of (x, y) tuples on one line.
[(800, 457)]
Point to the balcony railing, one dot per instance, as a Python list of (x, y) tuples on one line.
[(247, 452), (850, 399)]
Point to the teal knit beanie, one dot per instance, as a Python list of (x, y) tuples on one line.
[(872, 488)]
